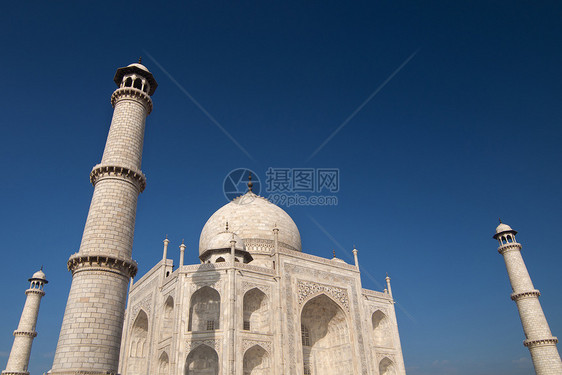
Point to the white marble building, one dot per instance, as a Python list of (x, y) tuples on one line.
[(272, 310)]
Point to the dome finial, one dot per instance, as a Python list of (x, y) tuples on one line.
[(140, 60), (250, 183), (227, 226), (41, 269), (334, 253), (500, 220)]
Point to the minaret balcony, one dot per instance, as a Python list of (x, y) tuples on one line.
[(541, 342), (510, 246)]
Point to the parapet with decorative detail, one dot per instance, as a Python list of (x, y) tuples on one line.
[(541, 342), (124, 93), (80, 262), (25, 333), (509, 247), (101, 172), (530, 293)]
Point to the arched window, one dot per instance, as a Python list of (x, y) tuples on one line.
[(138, 343), (204, 311), (138, 83), (330, 351), (167, 318), (386, 367), (256, 361), (256, 311), (203, 360), (164, 364), (128, 82), (381, 329), (219, 260)]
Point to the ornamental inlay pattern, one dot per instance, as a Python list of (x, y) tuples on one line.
[(145, 304), (247, 344), (247, 285), (308, 289), (383, 355), (212, 343)]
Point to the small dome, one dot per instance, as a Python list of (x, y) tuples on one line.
[(140, 66), (222, 241), (503, 228), (39, 275), (253, 218)]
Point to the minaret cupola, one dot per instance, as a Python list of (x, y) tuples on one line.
[(504, 234), (136, 76), (38, 280)]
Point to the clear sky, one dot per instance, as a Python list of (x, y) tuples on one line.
[(466, 129)]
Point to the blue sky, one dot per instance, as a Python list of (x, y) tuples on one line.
[(466, 132)]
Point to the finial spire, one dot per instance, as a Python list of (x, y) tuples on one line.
[(140, 60), (500, 220), (182, 241), (41, 269), (334, 253), (227, 226), (250, 183)]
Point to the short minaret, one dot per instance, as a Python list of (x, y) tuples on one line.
[(539, 339), (182, 252), (24, 335), (355, 257), (388, 288), (165, 252), (90, 336)]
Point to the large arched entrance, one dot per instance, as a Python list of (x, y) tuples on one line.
[(256, 311), (204, 312), (326, 343), (203, 360), (256, 361)]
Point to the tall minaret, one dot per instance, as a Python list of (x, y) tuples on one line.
[(24, 335), (90, 335), (539, 339)]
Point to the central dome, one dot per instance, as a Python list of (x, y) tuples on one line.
[(252, 218)]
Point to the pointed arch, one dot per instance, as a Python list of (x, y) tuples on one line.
[(204, 310), (167, 318), (164, 364), (382, 334), (138, 343), (203, 360), (387, 367), (256, 361), (256, 311), (329, 345)]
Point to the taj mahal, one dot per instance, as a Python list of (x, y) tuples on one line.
[(256, 304)]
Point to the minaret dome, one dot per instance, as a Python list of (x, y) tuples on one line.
[(137, 76)]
